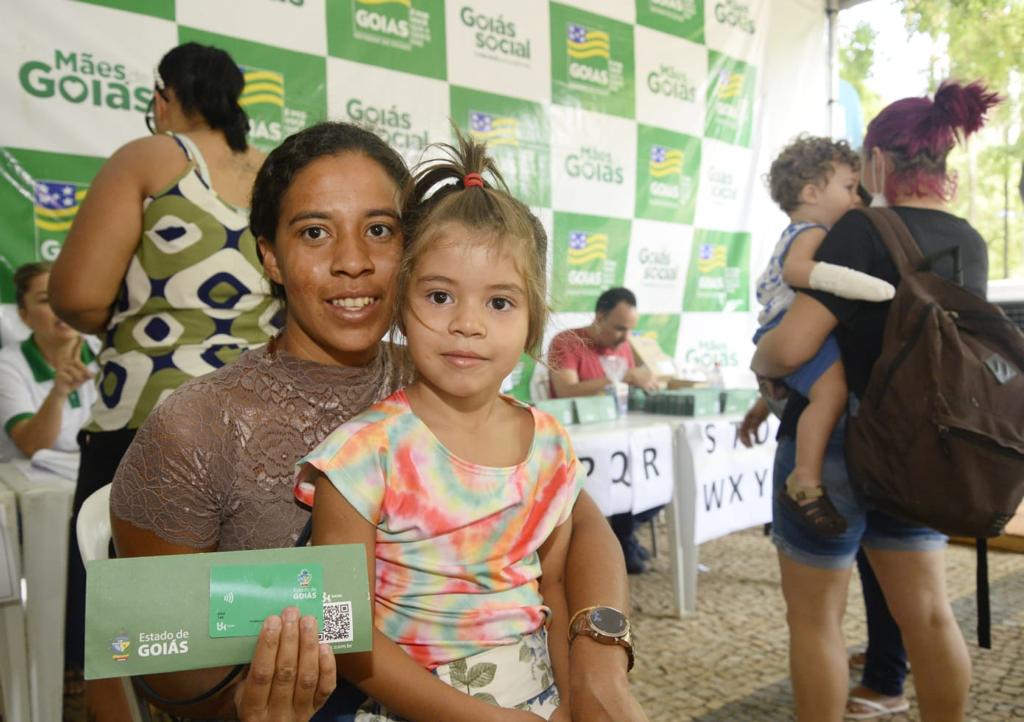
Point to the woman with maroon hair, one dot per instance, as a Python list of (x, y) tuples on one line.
[(905, 152)]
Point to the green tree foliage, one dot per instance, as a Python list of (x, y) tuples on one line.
[(856, 64), (984, 41)]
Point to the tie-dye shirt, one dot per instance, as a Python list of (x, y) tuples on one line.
[(457, 563)]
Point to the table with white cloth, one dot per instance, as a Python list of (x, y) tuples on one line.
[(44, 506), (711, 483)]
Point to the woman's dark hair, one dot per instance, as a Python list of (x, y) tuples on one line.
[(299, 150), (207, 81), (918, 134), (23, 278)]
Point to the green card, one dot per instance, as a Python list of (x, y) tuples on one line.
[(160, 614), (241, 597)]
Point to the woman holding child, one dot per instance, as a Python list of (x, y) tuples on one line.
[(213, 467), (905, 151)]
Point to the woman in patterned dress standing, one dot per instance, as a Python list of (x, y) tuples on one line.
[(161, 264)]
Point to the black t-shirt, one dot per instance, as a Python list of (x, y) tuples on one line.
[(855, 243)]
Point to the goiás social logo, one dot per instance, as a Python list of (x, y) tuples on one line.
[(264, 100), (392, 23), (493, 129), (54, 206), (722, 184), (593, 164), (672, 83), (82, 78), (589, 53), (658, 266), (494, 36), (736, 14), (393, 124)]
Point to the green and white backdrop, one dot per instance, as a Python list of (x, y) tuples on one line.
[(638, 130)]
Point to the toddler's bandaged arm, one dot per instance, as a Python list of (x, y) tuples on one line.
[(848, 283)]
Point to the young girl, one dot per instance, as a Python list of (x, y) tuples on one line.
[(462, 496)]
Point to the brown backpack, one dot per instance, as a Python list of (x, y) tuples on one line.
[(938, 438)]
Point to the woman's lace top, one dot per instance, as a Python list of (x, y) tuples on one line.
[(213, 465)]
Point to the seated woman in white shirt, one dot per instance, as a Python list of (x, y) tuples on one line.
[(45, 381)]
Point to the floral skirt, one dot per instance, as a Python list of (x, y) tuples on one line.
[(515, 675)]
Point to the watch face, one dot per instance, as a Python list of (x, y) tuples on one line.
[(608, 621)]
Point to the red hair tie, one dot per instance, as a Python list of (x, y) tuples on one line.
[(472, 179)]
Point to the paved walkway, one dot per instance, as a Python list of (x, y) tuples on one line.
[(728, 662)]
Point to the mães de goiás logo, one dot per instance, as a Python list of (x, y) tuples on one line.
[(671, 83), (79, 77), (731, 12), (593, 164), (494, 36)]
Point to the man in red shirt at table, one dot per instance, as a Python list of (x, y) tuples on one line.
[(575, 361)]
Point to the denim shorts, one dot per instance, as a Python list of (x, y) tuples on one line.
[(804, 377), (865, 526)]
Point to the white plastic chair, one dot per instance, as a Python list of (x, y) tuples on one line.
[(93, 532)]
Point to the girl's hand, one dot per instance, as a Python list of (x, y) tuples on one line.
[(291, 675)]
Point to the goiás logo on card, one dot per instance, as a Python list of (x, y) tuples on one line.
[(590, 163), (396, 125), (83, 78), (493, 129), (120, 646), (735, 14), (392, 23), (54, 206), (264, 99), (304, 578), (150, 644), (494, 36)]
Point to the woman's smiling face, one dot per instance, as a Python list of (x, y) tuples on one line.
[(337, 248)]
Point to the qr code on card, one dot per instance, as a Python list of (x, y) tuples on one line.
[(337, 623)]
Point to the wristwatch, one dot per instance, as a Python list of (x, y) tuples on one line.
[(605, 625)]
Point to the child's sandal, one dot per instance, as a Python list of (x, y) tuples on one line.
[(818, 514)]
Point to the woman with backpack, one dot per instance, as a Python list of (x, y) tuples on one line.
[(904, 167)]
